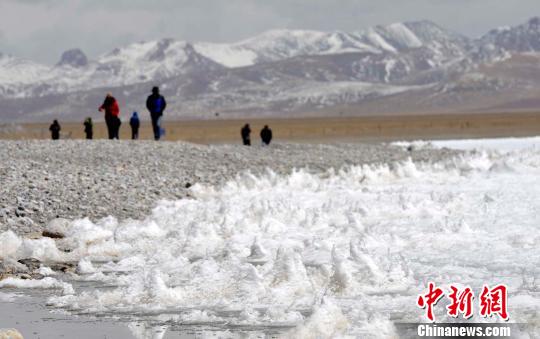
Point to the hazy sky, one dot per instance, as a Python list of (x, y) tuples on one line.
[(43, 29)]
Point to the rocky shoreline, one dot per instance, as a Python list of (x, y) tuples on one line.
[(45, 180), (45, 184)]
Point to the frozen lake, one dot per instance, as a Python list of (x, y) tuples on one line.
[(344, 253)]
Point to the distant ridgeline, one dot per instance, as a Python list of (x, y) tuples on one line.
[(409, 67)]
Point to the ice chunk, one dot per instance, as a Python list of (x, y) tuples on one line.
[(45, 283), (10, 243)]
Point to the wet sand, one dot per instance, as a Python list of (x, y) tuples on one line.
[(343, 129)]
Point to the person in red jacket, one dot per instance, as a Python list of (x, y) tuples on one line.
[(112, 116)]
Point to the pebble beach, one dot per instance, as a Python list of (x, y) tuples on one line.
[(45, 180)]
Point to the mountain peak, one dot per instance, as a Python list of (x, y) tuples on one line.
[(74, 58), (159, 52), (520, 38)]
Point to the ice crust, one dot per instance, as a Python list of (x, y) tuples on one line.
[(344, 253)]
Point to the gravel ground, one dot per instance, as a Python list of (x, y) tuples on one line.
[(43, 180)]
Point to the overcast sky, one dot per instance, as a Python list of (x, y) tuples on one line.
[(43, 29)]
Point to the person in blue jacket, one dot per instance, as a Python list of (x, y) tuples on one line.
[(135, 123), (156, 104)]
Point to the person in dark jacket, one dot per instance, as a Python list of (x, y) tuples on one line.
[(135, 123), (246, 132), (55, 130), (156, 105), (112, 116), (266, 135), (89, 128)]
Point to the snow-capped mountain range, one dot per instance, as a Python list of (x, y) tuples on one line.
[(287, 72)]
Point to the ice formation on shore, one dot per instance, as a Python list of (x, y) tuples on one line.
[(340, 253)]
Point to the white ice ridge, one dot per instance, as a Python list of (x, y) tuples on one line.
[(339, 253)]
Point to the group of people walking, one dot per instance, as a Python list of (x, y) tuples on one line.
[(156, 105), (266, 135)]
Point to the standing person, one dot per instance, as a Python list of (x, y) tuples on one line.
[(156, 104), (135, 123), (55, 130), (89, 128), (246, 132), (266, 135), (112, 116)]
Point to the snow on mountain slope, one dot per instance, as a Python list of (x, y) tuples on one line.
[(18, 73), (280, 44), (521, 38), (255, 74), (146, 60), (135, 63), (152, 61), (277, 45), (373, 37), (446, 46), (228, 55), (340, 42), (21, 69), (403, 35)]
